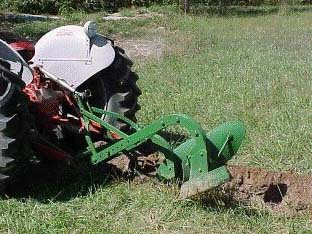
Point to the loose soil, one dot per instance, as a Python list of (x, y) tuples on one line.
[(279, 192), (284, 193)]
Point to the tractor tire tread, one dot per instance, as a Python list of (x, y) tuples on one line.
[(125, 89), (12, 135)]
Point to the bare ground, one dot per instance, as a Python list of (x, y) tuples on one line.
[(278, 192), (141, 49), (285, 192)]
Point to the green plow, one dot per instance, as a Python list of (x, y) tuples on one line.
[(199, 163)]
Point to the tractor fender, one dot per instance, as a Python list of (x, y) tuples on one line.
[(68, 53)]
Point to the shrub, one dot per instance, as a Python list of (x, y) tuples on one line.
[(63, 6), (67, 6)]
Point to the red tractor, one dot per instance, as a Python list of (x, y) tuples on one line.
[(110, 80)]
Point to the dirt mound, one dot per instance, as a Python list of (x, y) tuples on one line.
[(279, 191)]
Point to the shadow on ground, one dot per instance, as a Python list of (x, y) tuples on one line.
[(46, 182), (279, 192)]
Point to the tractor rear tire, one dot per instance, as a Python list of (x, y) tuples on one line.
[(114, 89), (12, 133)]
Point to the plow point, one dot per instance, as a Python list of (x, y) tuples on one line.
[(204, 183)]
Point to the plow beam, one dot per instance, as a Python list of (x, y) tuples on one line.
[(199, 162)]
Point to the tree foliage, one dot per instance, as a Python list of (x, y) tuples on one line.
[(64, 6), (55, 6)]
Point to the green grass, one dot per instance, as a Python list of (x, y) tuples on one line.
[(147, 208), (254, 68)]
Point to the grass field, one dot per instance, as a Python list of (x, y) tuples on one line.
[(254, 68)]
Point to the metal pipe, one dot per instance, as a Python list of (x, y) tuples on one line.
[(60, 81)]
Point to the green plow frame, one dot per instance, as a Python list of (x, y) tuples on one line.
[(199, 162)]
